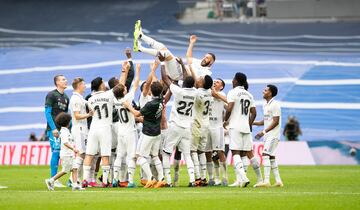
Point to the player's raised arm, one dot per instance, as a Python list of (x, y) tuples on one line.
[(219, 96), (124, 72), (137, 77), (130, 76), (147, 84), (189, 52), (131, 109), (165, 78)]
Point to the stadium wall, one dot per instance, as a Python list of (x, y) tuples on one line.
[(288, 153)]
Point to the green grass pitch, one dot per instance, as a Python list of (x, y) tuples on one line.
[(306, 187)]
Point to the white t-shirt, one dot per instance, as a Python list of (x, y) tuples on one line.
[(126, 118), (243, 101), (200, 70), (66, 137), (202, 106), (78, 104), (102, 104), (143, 100), (182, 110), (272, 109), (216, 115)]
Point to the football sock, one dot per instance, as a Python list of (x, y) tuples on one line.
[(256, 166), (210, 169), (245, 161), (131, 170), (267, 168), (223, 169), (86, 170), (202, 159), (166, 167), (159, 168), (145, 167), (105, 175), (275, 170), (238, 165), (195, 160), (190, 166), (152, 42)]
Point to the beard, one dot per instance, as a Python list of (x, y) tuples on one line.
[(204, 63)]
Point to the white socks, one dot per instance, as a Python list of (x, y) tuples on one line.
[(223, 169), (106, 172), (131, 170), (145, 167), (195, 160), (152, 42), (87, 171), (190, 166), (245, 161), (240, 173), (256, 166), (159, 168), (267, 168), (275, 170), (166, 167), (202, 159), (210, 169)]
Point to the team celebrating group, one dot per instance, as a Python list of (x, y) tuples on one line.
[(110, 129)]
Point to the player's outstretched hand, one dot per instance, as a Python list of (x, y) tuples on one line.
[(193, 39)]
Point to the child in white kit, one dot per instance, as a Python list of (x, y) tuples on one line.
[(66, 152)]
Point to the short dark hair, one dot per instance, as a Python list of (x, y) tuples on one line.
[(222, 82), (57, 77), (63, 119), (95, 83), (156, 88), (113, 81), (188, 82), (213, 56), (76, 82), (208, 82), (241, 79), (273, 89), (118, 91)]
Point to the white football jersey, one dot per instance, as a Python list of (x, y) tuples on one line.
[(217, 109), (202, 106), (66, 137), (143, 100), (126, 118), (200, 70), (102, 104), (243, 101), (78, 104), (182, 110), (272, 109)]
